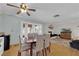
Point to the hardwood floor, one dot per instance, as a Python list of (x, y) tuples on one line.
[(13, 51), (56, 50), (60, 50)]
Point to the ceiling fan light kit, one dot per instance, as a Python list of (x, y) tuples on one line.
[(23, 8)]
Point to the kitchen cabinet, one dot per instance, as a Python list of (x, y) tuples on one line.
[(65, 35), (1, 45)]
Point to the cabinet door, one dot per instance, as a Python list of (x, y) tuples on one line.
[(1, 45), (65, 35)]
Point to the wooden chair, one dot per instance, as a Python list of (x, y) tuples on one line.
[(39, 50), (47, 44), (32, 36), (23, 47)]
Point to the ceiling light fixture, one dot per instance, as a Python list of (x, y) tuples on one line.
[(57, 15), (22, 8)]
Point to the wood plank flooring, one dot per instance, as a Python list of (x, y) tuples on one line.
[(13, 51), (56, 50), (61, 50)]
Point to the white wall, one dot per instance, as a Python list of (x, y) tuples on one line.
[(0, 23), (46, 29), (12, 26), (59, 25), (75, 33)]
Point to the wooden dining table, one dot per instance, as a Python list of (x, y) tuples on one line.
[(31, 45)]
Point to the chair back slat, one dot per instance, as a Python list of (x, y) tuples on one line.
[(39, 43), (47, 40)]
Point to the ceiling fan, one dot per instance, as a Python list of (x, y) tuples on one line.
[(22, 8)]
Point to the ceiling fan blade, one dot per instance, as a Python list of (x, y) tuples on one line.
[(12, 5), (18, 12), (32, 10), (28, 13)]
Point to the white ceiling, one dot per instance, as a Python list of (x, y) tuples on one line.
[(45, 11)]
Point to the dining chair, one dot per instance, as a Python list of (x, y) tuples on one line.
[(24, 47), (32, 36), (39, 49), (47, 44)]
